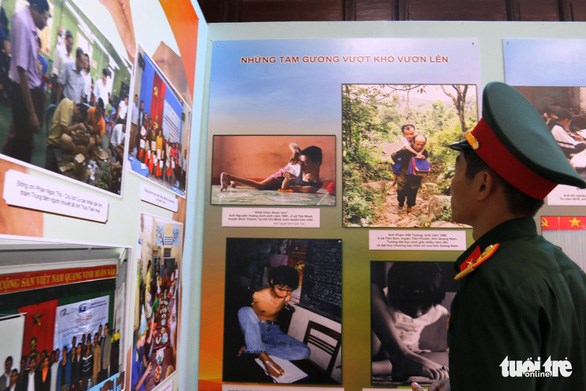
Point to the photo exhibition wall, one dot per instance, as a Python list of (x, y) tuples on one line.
[(173, 190), (96, 145)]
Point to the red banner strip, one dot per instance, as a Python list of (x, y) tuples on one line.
[(18, 282), (563, 223)]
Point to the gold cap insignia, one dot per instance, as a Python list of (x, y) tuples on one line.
[(471, 140)]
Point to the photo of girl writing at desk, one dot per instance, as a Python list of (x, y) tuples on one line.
[(282, 316), (409, 310)]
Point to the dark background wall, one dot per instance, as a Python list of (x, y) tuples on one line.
[(360, 10)]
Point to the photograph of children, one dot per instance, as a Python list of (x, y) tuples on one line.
[(564, 111), (160, 125), (63, 86), (409, 318), (273, 170), (68, 335), (282, 319), (396, 165), (156, 303)]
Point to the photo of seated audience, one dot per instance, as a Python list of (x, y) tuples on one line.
[(155, 329), (58, 93), (564, 112)]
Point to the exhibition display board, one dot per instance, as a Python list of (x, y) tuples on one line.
[(278, 90), (175, 175), (95, 185)]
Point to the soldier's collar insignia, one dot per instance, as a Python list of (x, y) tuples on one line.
[(475, 259)]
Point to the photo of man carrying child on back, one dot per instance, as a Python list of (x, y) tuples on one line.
[(396, 172)]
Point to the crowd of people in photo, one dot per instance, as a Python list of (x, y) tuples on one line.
[(85, 122), (164, 158), (79, 113), (90, 359), (154, 354)]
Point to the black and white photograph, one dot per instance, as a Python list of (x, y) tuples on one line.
[(410, 304)]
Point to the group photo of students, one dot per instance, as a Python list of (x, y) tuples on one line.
[(159, 128), (154, 355), (71, 341), (163, 157), (89, 360)]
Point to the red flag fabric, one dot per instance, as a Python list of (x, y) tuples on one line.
[(563, 223), (40, 323), (158, 99)]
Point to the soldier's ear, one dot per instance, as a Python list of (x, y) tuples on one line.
[(484, 182)]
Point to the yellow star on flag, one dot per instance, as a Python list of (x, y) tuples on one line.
[(575, 222)]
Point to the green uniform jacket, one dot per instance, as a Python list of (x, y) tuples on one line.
[(527, 301)]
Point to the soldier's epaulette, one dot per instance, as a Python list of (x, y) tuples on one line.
[(475, 259)]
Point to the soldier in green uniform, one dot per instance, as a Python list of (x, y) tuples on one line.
[(518, 321)]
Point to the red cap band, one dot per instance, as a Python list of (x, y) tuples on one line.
[(503, 162)]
